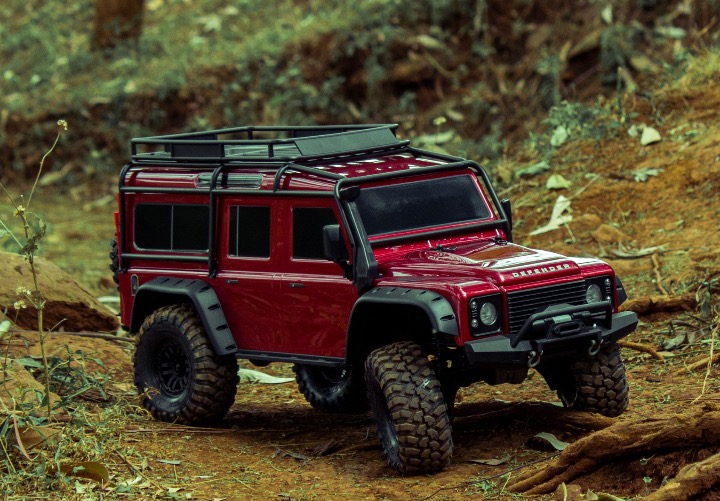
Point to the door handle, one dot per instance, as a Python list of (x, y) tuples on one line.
[(296, 285)]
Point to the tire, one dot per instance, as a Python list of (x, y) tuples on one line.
[(331, 389), (114, 261), (599, 384), (409, 410), (178, 375)]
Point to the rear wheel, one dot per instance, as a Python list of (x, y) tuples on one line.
[(179, 376), (408, 406), (598, 384), (332, 389)]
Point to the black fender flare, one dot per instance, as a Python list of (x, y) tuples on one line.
[(438, 309), (162, 291)]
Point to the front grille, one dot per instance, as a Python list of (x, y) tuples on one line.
[(522, 304)]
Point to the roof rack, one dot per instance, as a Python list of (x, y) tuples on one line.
[(260, 144)]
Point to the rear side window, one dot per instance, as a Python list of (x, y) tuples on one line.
[(249, 231), (172, 227), (307, 231)]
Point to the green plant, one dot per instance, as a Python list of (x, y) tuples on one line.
[(34, 230)]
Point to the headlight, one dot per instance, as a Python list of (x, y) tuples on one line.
[(488, 314), (593, 294), (484, 313)]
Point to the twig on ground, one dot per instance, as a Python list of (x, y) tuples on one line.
[(710, 357), (642, 348), (658, 277)]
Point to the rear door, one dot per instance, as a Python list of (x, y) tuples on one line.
[(247, 277)]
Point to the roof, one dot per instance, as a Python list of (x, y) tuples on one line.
[(264, 144), (303, 158)]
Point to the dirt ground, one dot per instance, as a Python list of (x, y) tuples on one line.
[(661, 235)]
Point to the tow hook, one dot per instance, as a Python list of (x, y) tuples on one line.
[(594, 348), (534, 358)]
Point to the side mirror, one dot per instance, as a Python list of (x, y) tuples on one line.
[(333, 247), (507, 209)]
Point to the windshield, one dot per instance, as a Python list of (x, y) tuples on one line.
[(421, 204)]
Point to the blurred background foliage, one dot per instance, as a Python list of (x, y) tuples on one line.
[(466, 76)]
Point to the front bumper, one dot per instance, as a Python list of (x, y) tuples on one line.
[(559, 332)]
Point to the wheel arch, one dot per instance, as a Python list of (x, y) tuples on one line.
[(390, 314), (164, 291)]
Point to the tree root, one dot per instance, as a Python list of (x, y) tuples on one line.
[(699, 427), (654, 304), (690, 481)]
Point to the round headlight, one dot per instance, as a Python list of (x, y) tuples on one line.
[(488, 314), (593, 294)]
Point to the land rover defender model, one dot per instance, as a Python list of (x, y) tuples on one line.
[(386, 274)]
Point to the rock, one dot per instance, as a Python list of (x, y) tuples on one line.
[(609, 234), (68, 304)]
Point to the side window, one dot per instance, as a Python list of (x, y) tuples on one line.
[(307, 231), (249, 231), (172, 227)]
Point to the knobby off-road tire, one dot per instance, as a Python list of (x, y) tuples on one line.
[(114, 261), (409, 409), (332, 389), (600, 384), (179, 376)]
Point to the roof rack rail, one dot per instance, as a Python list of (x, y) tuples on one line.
[(255, 146)]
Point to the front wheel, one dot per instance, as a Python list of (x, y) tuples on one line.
[(332, 389), (408, 406), (178, 375), (598, 384)]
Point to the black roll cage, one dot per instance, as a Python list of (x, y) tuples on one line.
[(310, 147)]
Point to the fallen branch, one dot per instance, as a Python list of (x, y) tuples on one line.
[(656, 304), (642, 348), (700, 364), (701, 427), (690, 481)]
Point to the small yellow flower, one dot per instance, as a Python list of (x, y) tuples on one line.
[(20, 210), (63, 124), (19, 305)]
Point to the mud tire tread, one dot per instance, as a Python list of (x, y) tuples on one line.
[(409, 409), (601, 383), (213, 379)]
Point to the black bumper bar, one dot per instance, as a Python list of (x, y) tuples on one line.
[(557, 333)]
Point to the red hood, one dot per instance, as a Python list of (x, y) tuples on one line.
[(500, 264)]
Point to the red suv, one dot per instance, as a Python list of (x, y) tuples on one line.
[(386, 274)]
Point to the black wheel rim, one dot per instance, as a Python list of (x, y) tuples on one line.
[(333, 376), (173, 369)]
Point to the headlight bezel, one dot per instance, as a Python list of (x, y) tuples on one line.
[(477, 326), (605, 285)]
